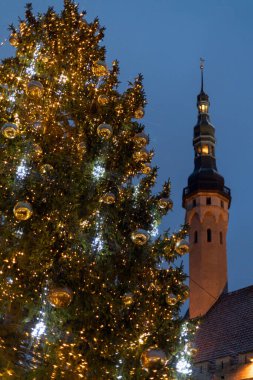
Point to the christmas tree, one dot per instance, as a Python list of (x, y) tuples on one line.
[(84, 293)]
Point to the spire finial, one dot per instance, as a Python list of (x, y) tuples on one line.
[(202, 73)]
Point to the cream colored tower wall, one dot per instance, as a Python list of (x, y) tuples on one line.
[(208, 256)]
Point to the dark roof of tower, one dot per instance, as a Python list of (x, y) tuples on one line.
[(226, 329)]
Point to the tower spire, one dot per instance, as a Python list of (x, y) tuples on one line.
[(202, 61)]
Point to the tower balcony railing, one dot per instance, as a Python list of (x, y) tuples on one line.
[(214, 187)]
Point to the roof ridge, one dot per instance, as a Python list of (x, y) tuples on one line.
[(235, 291)]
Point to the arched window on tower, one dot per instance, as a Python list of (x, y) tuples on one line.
[(195, 236), (209, 235), (221, 238)]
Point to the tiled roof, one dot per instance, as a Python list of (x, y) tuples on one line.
[(227, 328)]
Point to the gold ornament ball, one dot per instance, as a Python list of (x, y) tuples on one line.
[(9, 130), (14, 39), (37, 151), (23, 211), (141, 155), (146, 169), (182, 247), (191, 348), (100, 69), (153, 357), (140, 237), (164, 203), (128, 298), (119, 109), (81, 148), (35, 89), (46, 170), (103, 100), (108, 198), (105, 131), (140, 139), (60, 297), (139, 113), (171, 299)]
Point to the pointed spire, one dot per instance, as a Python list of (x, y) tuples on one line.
[(202, 99), (202, 73)]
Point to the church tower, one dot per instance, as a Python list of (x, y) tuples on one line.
[(207, 201)]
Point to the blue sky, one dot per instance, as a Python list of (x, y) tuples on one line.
[(164, 39)]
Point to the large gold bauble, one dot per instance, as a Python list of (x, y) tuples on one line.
[(105, 131), (128, 298), (10, 130), (140, 237), (100, 69), (35, 89), (60, 297), (23, 210), (153, 357), (103, 100), (14, 39), (108, 198), (140, 139), (139, 113), (141, 155), (164, 203), (182, 247), (146, 168), (171, 299)]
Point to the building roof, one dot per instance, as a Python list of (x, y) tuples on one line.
[(227, 328)]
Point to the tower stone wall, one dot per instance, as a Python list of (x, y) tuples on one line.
[(207, 215)]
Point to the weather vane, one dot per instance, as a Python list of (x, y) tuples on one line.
[(202, 61), (202, 69)]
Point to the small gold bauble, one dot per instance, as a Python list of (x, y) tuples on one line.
[(105, 131), (141, 155), (164, 203), (14, 39), (146, 169), (10, 130), (140, 237), (139, 113), (171, 299), (108, 198), (46, 170), (100, 69), (185, 293), (23, 210), (140, 139), (119, 109), (35, 89), (60, 297), (128, 298), (103, 100), (182, 247), (191, 348), (81, 148), (36, 151), (37, 126), (153, 357)]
